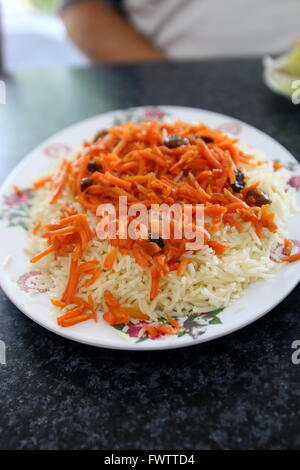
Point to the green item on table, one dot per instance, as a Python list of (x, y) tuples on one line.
[(292, 65)]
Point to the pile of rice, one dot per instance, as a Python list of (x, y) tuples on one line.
[(210, 281)]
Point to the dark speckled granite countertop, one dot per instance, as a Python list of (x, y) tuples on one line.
[(238, 392)]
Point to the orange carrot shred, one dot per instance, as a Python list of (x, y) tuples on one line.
[(135, 160), (92, 306), (17, 190), (151, 330), (218, 247), (173, 322), (165, 329), (109, 317), (110, 259), (155, 276), (74, 320), (96, 273), (40, 183), (36, 228), (70, 314), (48, 250), (292, 258), (182, 266), (57, 303), (288, 246)]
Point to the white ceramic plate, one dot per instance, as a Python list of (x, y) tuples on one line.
[(17, 278)]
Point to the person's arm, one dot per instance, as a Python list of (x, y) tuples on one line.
[(103, 35)]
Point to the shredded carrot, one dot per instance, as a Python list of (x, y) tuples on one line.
[(134, 313), (151, 330), (79, 301), (36, 228), (118, 315), (267, 218), (41, 183), (277, 165), (248, 188), (74, 320), (155, 276), (110, 259), (218, 247), (48, 250), (117, 181), (231, 175), (59, 181), (292, 258), (231, 220), (165, 329), (109, 317), (182, 266), (215, 210), (234, 199), (58, 303), (87, 267), (288, 246), (96, 273), (70, 314), (140, 256), (209, 155), (173, 322), (92, 306), (111, 301), (73, 279), (234, 206), (17, 190), (135, 160)]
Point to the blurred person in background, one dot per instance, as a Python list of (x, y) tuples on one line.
[(141, 30)]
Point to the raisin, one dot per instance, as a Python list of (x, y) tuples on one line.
[(207, 140), (256, 197), (85, 183), (240, 181), (174, 141), (94, 166), (155, 238)]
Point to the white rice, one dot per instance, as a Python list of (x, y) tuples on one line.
[(211, 281)]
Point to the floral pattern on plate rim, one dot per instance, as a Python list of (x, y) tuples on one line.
[(292, 167), (27, 282), (140, 115), (56, 150), (232, 127), (15, 208), (193, 325)]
